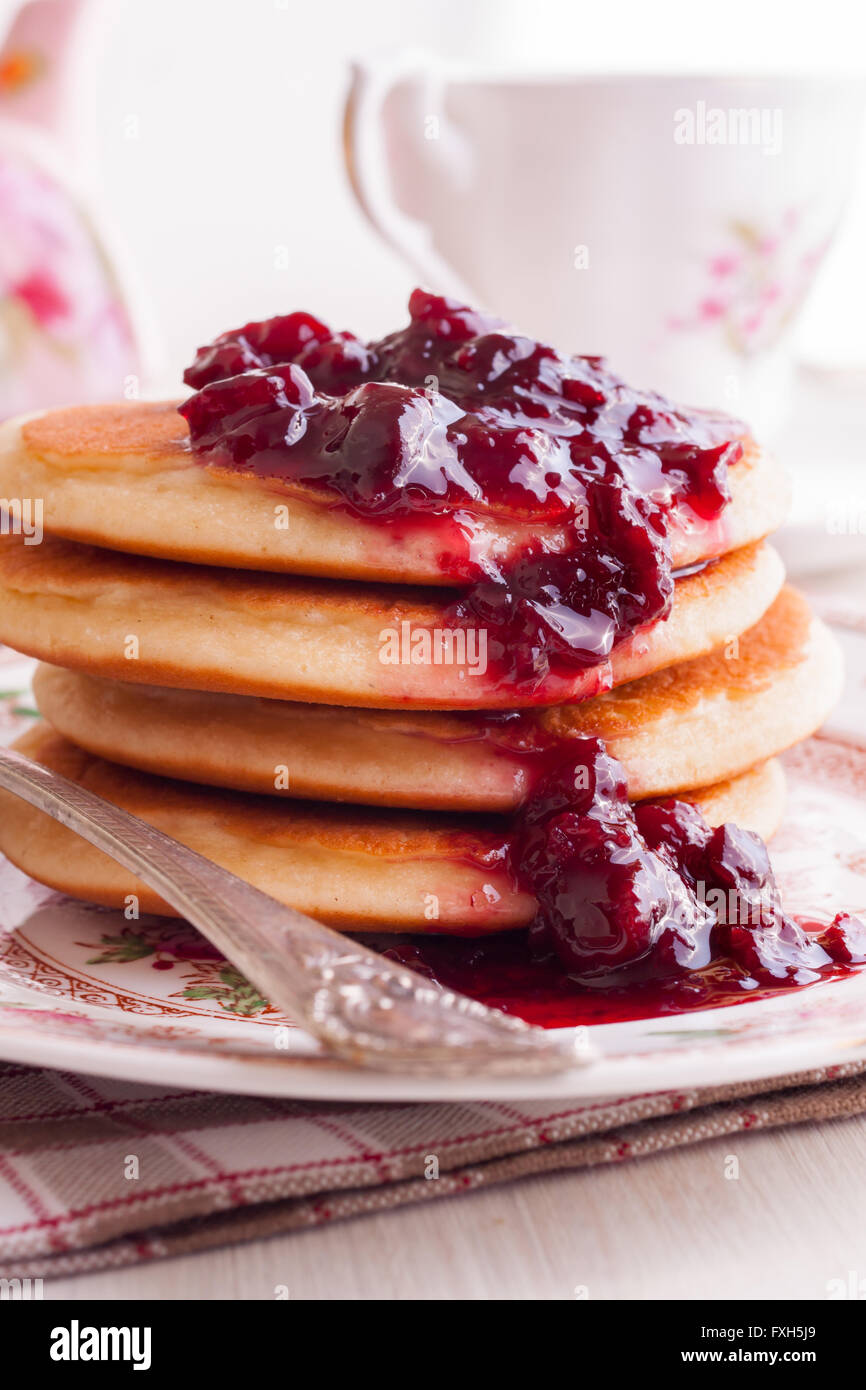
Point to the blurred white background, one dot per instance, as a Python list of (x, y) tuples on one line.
[(212, 138)]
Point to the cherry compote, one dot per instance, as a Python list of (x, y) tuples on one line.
[(457, 416), (642, 910)]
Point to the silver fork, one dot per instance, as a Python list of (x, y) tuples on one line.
[(361, 1007)]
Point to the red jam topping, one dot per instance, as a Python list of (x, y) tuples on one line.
[(501, 971), (456, 417), (651, 888), (642, 910)]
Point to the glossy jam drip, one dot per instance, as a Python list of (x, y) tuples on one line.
[(643, 910), (502, 972), (652, 890), (456, 417)]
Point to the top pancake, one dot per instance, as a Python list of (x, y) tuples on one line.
[(123, 476)]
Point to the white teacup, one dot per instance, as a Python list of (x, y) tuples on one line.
[(671, 223)]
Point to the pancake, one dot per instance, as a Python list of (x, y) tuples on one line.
[(359, 869), (123, 476), (689, 725), (157, 622)]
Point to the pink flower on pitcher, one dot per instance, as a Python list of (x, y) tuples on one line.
[(64, 334)]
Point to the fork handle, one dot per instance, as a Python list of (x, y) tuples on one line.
[(360, 1006)]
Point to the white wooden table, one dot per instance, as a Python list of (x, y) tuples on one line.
[(670, 1227)]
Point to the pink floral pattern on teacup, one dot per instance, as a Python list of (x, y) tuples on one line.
[(755, 284)]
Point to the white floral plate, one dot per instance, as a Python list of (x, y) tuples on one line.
[(83, 989)]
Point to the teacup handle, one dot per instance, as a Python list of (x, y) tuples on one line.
[(363, 147)]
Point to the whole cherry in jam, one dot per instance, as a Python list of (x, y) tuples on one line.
[(606, 900)]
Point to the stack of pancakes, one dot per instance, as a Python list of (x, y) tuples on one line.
[(211, 649)]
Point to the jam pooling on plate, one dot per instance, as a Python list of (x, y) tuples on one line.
[(456, 417), (501, 971), (643, 910), (652, 886)]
